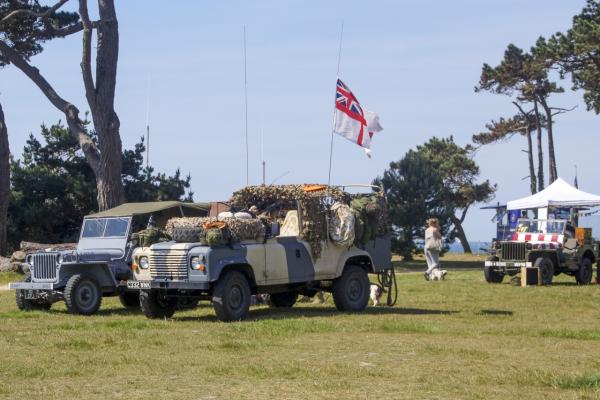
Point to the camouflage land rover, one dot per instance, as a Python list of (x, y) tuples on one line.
[(553, 246), (281, 262)]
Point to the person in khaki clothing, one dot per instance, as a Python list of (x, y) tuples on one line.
[(433, 246)]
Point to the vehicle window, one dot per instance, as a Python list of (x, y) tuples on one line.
[(116, 227), (93, 228)]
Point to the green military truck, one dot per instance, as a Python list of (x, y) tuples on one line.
[(554, 246), (315, 238)]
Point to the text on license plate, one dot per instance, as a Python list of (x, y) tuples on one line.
[(138, 285)]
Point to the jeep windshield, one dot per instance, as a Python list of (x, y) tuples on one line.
[(105, 228), (550, 226)]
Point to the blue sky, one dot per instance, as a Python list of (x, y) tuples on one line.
[(414, 63)]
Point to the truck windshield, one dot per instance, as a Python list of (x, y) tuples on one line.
[(550, 226), (105, 227)]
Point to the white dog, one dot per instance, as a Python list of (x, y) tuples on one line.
[(438, 274), (376, 292)]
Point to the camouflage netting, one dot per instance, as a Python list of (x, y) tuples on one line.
[(371, 215), (207, 230), (271, 203), (273, 199)]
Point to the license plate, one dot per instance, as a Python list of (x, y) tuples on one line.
[(31, 294), (138, 285)]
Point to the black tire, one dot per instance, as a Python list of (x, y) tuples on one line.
[(231, 297), (546, 267), (283, 300), (130, 300), (186, 235), (583, 276), (156, 306), (491, 275), (24, 304), (351, 290), (82, 295)]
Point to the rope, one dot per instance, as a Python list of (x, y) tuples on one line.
[(387, 282)]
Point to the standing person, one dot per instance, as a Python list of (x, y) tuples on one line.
[(433, 246)]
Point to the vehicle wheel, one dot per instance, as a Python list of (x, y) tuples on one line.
[(285, 299), (491, 275), (231, 297), (24, 304), (82, 295), (583, 276), (130, 299), (351, 290), (546, 267), (155, 306)]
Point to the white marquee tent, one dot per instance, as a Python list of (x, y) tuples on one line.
[(558, 194)]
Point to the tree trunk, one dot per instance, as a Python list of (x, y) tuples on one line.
[(532, 178), (105, 157), (538, 123), (551, 156), (4, 182), (461, 235)]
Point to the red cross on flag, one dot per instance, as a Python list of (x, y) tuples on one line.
[(351, 121)]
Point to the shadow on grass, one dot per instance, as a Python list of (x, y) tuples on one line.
[(420, 266), (311, 312), (496, 312)]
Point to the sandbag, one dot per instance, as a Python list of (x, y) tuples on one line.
[(341, 225)]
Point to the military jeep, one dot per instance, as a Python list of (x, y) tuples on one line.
[(554, 246), (281, 264), (100, 265)]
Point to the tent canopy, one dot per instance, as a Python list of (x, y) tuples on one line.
[(131, 209), (558, 194)]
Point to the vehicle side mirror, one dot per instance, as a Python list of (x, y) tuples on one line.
[(275, 228)]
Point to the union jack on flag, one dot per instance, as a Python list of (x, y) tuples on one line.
[(351, 121)]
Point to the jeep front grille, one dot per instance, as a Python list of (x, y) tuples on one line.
[(44, 267), (513, 251), (172, 265)]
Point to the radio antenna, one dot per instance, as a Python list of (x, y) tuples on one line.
[(246, 108)]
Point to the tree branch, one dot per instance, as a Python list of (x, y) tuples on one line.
[(32, 13), (86, 58), (71, 112)]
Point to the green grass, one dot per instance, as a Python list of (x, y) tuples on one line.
[(457, 339)]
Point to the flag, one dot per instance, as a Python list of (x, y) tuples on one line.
[(351, 121)]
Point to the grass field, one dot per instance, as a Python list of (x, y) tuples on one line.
[(457, 339)]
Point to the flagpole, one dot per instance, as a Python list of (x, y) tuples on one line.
[(334, 113)]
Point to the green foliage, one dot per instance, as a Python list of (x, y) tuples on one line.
[(53, 187), (577, 52), (413, 189), (438, 179), (24, 32)]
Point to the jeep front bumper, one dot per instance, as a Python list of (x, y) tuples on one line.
[(156, 284), (31, 285), (509, 264)]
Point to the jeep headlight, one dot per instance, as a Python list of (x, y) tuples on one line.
[(144, 263), (29, 259), (60, 259), (197, 264)]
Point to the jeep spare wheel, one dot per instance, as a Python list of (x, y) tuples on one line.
[(27, 304), (231, 297), (491, 275), (546, 267), (351, 290), (82, 295)]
